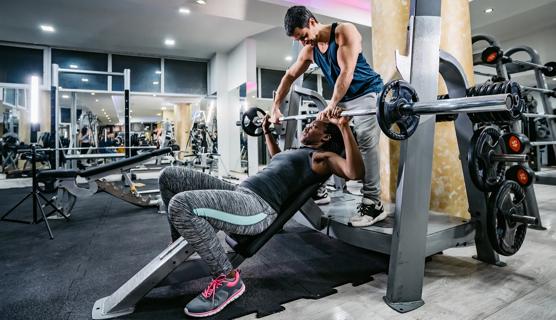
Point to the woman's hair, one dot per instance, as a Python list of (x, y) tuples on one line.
[(297, 17), (84, 130), (336, 142)]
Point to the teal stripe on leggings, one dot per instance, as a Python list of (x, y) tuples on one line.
[(228, 217)]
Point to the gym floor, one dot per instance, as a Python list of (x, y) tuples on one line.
[(108, 240)]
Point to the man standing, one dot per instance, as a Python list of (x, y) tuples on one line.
[(336, 49)]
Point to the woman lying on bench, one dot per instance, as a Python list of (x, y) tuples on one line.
[(199, 204)]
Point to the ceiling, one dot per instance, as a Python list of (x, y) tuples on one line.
[(140, 26)]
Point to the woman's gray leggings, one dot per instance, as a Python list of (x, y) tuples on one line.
[(199, 205)]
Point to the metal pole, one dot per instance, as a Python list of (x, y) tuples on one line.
[(542, 143), (73, 121), (105, 73), (528, 64), (127, 85), (54, 116)]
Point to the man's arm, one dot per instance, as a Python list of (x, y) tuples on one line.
[(304, 60), (349, 47)]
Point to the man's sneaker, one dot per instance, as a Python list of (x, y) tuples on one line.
[(321, 196), (219, 293), (368, 213)]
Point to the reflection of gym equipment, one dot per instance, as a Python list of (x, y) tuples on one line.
[(55, 110)]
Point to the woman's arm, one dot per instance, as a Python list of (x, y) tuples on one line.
[(271, 144), (352, 167)]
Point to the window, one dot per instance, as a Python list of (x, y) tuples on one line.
[(270, 79), (18, 64), (310, 82), (68, 59), (189, 77), (145, 73)]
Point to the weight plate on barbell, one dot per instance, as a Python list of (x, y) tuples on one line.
[(395, 94), (506, 235), (485, 173), (252, 121)]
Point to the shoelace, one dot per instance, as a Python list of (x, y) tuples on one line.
[(362, 208), (213, 285)]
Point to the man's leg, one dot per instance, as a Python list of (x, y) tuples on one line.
[(196, 215), (174, 180), (367, 133)]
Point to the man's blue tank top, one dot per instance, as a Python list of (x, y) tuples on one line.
[(365, 79)]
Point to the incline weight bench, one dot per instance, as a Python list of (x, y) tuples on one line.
[(68, 190), (169, 267)]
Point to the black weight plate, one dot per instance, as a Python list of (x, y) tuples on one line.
[(395, 94), (515, 89), (505, 235), (251, 121), (550, 69), (487, 175)]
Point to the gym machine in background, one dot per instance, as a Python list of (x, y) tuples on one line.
[(540, 128), (55, 113)]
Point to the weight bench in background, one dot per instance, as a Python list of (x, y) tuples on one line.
[(169, 267), (68, 190)]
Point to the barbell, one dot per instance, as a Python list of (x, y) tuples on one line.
[(493, 54), (398, 110)]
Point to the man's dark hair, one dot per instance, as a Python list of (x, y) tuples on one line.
[(336, 142), (297, 17)]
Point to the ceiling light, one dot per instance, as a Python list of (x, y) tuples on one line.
[(201, 2), (74, 66), (158, 72), (102, 110), (169, 42), (155, 82), (288, 58), (163, 108), (65, 96), (130, 111), (47, 28), (84, 79), (96, 100), (154, 95), (158, 114), (184, 10), (553, 79), (92, 93), (489, 10)]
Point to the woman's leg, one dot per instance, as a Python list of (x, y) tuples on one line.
[(196, 215), (174, 180)]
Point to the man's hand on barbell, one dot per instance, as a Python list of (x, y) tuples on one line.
[(276, 115)]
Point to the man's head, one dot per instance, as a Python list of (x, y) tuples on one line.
[(301, 25), (323, 135)]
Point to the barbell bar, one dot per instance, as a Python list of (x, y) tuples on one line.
[(542, 143), (537, 115), (551, 93), (398, 104), (493, 54)]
